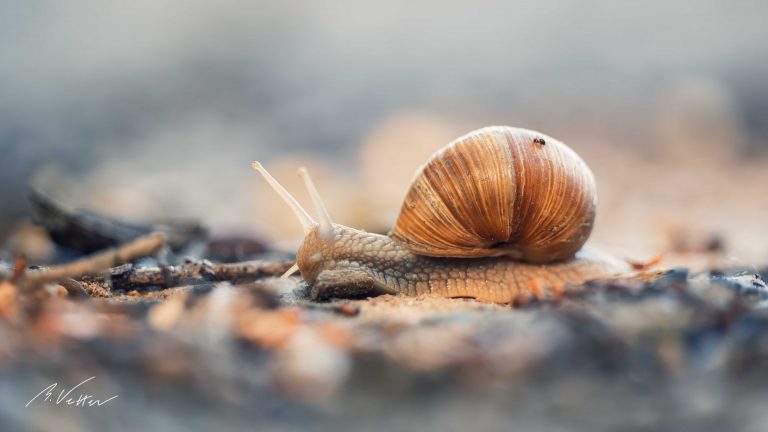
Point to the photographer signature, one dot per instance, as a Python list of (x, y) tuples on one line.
[(64, 397)]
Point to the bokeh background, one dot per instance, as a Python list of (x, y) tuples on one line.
[(154, 108)]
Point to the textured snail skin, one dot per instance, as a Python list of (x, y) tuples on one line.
[(355, 263), (499, 190)]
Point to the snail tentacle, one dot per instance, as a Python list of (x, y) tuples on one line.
[(326, 225), (306, 220)]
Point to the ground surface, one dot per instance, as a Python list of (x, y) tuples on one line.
[(683, 352)]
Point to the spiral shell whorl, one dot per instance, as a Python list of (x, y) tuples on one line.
[(499, 191)]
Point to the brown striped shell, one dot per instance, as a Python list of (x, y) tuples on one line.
[(499, 191)]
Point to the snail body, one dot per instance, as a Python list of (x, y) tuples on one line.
[(497, 215), (360, 264)]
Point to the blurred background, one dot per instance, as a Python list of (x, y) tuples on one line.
[(154, 108)]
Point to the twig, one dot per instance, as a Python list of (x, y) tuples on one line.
[(128, 277), (97, 263), (74, 288), (88, 232)]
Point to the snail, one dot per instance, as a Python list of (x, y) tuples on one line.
[(497, 215)]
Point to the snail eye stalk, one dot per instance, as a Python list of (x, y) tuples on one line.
[(326, 225), (306, 220)]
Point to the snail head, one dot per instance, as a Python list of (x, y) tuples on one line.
[(319, 236)]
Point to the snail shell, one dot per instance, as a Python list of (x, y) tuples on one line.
[(499, 191)]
